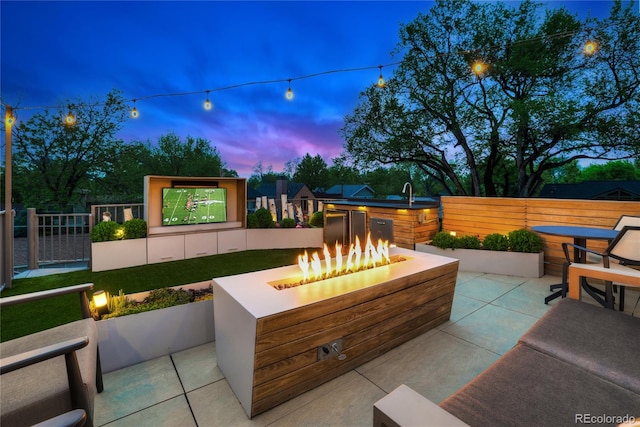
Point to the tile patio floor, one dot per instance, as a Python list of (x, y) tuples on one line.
[(489, 314)]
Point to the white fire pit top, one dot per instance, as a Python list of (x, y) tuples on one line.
[(255, 293)]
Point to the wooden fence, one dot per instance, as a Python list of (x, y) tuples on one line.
[(480, 216)]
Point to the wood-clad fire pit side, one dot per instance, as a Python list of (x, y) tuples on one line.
[(271, 351)]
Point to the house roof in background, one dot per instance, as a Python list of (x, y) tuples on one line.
[(269, 190), (593, 190), (252, 193), (351, 190)]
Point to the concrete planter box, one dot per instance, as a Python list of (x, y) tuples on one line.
[(493, 262), (118, 254), (136, 338), (283, 238)]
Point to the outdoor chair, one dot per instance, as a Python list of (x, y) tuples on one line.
[(75, 418), (622, 252), (52, 372), (593, 258)]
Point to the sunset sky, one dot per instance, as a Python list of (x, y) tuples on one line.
[(55, 51)]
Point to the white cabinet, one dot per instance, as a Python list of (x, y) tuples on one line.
[(232, 241), (200, 244), (165, 248)]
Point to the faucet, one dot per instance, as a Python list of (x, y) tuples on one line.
[(404, 190)]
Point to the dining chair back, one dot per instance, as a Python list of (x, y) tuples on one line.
[(625, 247), (623, 250), (625, 220)]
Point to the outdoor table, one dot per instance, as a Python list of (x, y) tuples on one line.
[(580, 235)]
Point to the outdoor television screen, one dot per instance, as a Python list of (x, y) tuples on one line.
[(193, 205)]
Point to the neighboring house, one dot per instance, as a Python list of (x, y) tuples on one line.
[(593, 190), (296, 193), (350, 191), (252, 195)]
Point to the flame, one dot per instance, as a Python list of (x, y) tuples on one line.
[(327, 260), (303, 263), (356, 259), (316, 266)]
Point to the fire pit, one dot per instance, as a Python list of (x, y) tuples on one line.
[(273, 345)]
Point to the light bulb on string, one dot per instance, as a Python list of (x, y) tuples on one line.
[(134, 110), (381, 83), (590, 47), (289, 94), (70, 119), (478, 67), (9, 117), (207, 104)]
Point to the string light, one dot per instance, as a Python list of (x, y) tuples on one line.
[(381, 82), (207, 104), (134, 110), (70, 119), (9, 117), (590, 47), (478, 68), (289, 94)]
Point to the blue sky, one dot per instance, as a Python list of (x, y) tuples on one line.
[(54, 51)]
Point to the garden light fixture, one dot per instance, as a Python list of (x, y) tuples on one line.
[(100, 303)]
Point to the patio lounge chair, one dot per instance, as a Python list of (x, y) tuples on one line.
[(554, 376), (623, 251), (52, 372)]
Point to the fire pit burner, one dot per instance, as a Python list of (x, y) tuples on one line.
[(292, 283), (357, 259)]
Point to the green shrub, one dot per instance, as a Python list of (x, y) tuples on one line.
[(469, 242), (157, 299), (496, 242), (135, 228), (444, 240), (104, 231), (252, 221), (288, 223), (261, 218), (317, 219), (525, 241)]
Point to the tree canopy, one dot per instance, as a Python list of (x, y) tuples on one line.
[(535, 102), (54, 159), (57, 165), (312, 171)]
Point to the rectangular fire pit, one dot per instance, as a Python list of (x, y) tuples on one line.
[(273, 345)]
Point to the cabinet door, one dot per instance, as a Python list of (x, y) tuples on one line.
[(200, 244), (232, 241), (165, 248)]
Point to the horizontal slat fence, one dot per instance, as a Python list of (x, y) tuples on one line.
[(480, 216)]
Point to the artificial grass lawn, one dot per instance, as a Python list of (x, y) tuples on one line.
[(27, 318)]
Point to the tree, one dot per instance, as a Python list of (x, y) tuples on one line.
[(312, 171), (388, 181), (533, 105), (191, 157), (263, 175), (610, 171), (54, 160), (342, 172), (122, 179)]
